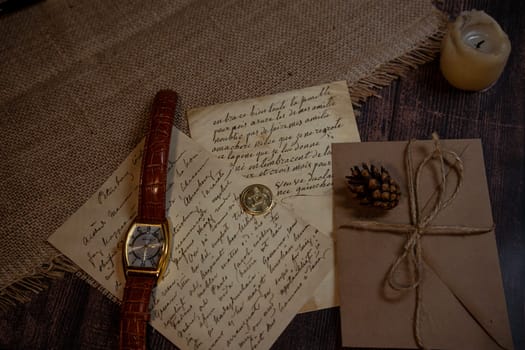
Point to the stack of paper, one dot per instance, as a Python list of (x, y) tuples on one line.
[(234, 280)]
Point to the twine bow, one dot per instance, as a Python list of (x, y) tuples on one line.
[(420, 225)]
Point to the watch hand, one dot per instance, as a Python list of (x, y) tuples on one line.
[(145, 252), (133, 249)]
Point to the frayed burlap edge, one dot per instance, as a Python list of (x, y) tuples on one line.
[(22, 290), (424, 52), (89, 280)]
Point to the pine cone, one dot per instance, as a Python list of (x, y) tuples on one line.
[(374, 187)]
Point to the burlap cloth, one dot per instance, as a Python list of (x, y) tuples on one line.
[(77, 78)]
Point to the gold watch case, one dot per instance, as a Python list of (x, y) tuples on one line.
[(131, 244)]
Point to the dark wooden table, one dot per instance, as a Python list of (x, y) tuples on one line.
[(73, 315)]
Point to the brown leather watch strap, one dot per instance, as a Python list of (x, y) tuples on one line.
[(152, 193), (135, 312), (152, 209)]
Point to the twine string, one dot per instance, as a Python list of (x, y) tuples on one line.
[(419, 226)]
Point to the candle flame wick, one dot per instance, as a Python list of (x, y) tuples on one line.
[(478, 45)]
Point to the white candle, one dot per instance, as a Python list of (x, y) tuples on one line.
[(474, 51)]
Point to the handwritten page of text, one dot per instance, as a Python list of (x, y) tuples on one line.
[(234, 281), (284, 141)]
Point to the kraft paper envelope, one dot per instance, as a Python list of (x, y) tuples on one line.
[(461, 299)]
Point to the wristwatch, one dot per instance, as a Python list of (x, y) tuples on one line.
[(147, 243)]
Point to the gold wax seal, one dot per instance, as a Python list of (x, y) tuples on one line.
[(256, 199)]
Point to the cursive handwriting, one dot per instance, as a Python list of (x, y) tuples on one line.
[(237, 274), (233, 280), (281, 136)]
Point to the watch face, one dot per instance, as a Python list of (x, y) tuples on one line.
[(145, 246)]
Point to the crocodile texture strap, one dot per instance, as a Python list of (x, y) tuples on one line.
[(152, 194), (152, 209), (135, 312)]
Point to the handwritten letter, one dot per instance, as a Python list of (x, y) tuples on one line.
[(234, 281), (284, 141), (285, 137)]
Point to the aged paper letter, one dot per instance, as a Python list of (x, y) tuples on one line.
[(284, 141), (234, 281)]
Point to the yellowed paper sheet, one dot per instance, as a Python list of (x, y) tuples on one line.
[(283, 141), (234, 281)]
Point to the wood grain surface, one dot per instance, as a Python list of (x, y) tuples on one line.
[(72, 315)]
